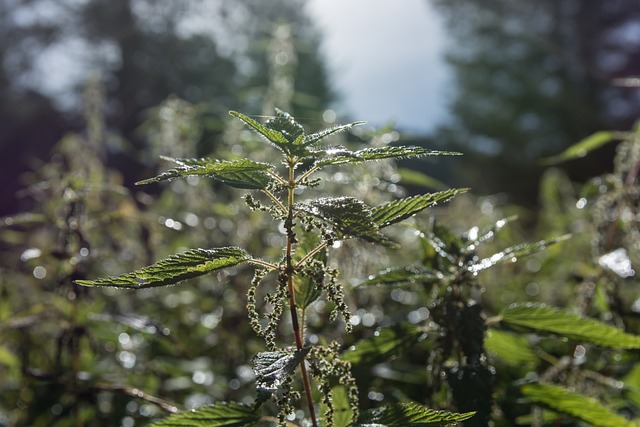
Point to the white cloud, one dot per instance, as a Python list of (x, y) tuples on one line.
[(386, 59)]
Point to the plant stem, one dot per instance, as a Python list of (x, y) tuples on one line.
[(310, 254), (289, 271)]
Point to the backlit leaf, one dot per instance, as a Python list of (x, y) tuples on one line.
[(217, 415), (399, 210), (238, 173), (193, 263), (579, 406), (285, 125), (22, 219), (272, 368), (406, 275), (581, 148), (514, 252), (545, 319), (512, 349), (342, 409), (310, 140), (413, 177), (334, 156), (306, 291), (409, 415), (349, 216), (384, 344), (475, 237), (273, 136)]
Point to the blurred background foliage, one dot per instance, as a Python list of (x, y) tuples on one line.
[(155, 79)]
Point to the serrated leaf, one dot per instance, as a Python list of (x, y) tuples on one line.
[(335, 156), (176, 268), (285, 125), (305, 290), (582, 148), (410, 274), (314, 138), (218, 415), (8, 358), (579, 406), (342, 409), (544, 319), (22, 219), (514, 252), (243, 173), (475, 237), (272, 136), (282, 131), (384, 344), (413, 177), (272, 368), (512, 349), (632, 385), (409, 415), (348, 215), (399, 210)]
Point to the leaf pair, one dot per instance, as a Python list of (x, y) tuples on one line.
[(456, 253), (239, 415), (176, 268), (287, 135)]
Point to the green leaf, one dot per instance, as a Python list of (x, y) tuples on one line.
[(314, 138), (271, 135), (8, 358), (399, 210), (406, 275), (475, 237), (193, 263), (632, 385), (575, 404), (274, 367), (581, 148), (348, 215), (217, 415), (342, 409), (544, 319), (26, 218), (340, 155), (384, 344), (413, 177), (306, 291), (409, 415), (513, 350), (243, 173), (511, 254), (285, 125), (285, 133)]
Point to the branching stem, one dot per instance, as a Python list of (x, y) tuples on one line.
[(310, 254), (274, 199), (289, 272), (263, 263), (306, 175)]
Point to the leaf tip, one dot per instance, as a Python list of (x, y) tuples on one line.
[(84, 282)]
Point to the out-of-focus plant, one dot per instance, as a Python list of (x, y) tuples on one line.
[(552, 339), (298, 278), (58, 346)]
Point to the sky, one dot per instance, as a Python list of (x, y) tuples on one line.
[(386, 60)]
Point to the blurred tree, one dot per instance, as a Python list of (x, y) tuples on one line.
[(531, 79), (296, 67), (207, 53)]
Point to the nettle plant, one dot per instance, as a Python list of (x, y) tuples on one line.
[(300, 277)]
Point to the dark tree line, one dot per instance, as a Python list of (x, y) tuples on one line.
[(532, 78), (209, 53)]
